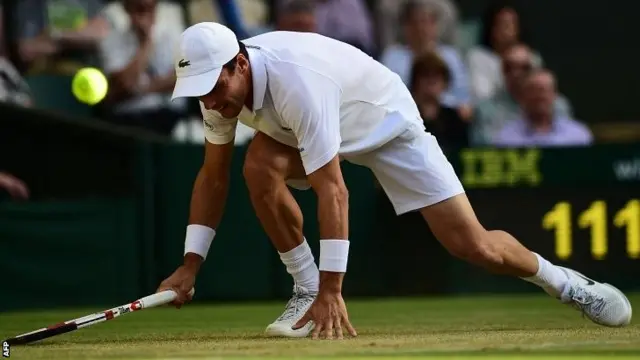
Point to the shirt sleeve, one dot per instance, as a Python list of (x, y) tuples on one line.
[(309, 104), (218, 130)]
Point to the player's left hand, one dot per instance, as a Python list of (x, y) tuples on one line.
[(329, 314)]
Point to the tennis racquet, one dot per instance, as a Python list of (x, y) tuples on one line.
[(161, 298)]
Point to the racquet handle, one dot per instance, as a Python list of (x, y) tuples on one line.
[(161, 298)]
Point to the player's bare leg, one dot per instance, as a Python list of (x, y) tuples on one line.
[(268, 165), (454, 223)]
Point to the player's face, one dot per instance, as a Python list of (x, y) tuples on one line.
[(230, 92)]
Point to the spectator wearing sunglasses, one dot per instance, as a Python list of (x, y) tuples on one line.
[(540, 125), (492, 114)]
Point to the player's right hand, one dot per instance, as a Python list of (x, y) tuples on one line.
[(181, 281)]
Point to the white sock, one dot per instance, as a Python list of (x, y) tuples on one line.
[(549, 276), (301, 265)]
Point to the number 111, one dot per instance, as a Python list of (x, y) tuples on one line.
[(595, 217)]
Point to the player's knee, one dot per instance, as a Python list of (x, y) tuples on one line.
[(483, 253), (260, 174), (473, 245), (256, 172)]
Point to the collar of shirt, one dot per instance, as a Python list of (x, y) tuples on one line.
[(259, 76)]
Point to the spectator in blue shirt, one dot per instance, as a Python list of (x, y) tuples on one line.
[(233, 17)]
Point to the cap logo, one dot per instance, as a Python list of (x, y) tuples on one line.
[(183, 63)]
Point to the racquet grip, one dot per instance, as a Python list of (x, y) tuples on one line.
[(161, 298)]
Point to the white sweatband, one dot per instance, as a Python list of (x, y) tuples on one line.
[(198, 239), (334, 255)]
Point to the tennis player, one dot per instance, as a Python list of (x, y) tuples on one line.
[(315, 101)]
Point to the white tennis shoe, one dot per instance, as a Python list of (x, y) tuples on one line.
[(294, 311), (601, 303)]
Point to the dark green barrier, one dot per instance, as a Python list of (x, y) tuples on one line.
[(69, 253), (86, 237)]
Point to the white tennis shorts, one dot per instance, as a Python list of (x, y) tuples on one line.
[(412, 170)]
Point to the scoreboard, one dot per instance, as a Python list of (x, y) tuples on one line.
[(574, 207)]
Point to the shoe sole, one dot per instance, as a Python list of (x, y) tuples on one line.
[(278, 331)]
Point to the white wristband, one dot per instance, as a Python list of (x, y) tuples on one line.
[(198, 239), (334, 255)]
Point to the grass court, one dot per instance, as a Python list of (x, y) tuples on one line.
[(490, 327)]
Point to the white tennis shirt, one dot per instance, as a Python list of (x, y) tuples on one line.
[(319, 95)]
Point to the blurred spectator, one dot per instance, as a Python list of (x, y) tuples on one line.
[(540, 125), (493, 114), (348, 21), (16, 188), (297, 15), (388, 12), (55, 30), (245, 17), (429, 78), (502, 27), (13, 88), (420, 25), (139, 63), (233, 18), (168, 13)]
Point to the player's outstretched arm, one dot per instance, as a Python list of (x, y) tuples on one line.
[(209, 194), (208, 199)]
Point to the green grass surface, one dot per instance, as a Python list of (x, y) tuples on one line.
[(517, 327)]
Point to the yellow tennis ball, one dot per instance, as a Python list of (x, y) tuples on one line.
[(89, 85)]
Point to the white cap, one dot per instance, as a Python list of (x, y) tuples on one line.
[(203, 49)]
